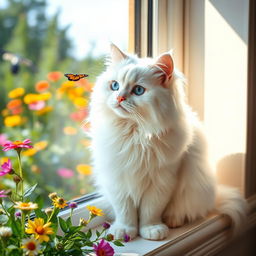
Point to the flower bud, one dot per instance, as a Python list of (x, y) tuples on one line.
[(5, 232), (59, 246), (48, 211), (16, 179), (18, 214), (106, 225), (53, 195), (110, 237), (83, 222), (127, 238), (72, 205)]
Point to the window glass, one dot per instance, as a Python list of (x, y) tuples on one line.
[(40, 42), (217, 78)]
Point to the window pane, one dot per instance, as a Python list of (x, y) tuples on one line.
[(40, 42), (217, 72)]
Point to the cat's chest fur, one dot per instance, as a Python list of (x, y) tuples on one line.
[(131, 156)]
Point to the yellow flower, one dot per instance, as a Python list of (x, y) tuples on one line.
[(11, 121), (39, 229), (5, 112), (29, 152), (45, 96), (41, 145), (31, 98), (59, 202), (18, 92), (80, 102), (84, 169), (30, 246), (66, 85), (44, 110), (69, 130), (53, 196), (75, 92), (25, 206), (86, 143), (95, 211)]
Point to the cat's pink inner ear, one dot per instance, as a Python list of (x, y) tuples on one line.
[(116, 54), (165, 63)]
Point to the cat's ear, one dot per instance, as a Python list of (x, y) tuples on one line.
[(116, 54), (165, 65)]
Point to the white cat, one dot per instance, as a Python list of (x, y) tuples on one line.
[(149, 152)]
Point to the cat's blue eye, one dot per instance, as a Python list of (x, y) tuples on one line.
[(138, 90), (114, 86)]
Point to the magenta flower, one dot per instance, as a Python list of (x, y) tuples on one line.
[(17, 144), (106, 225), (127, 238), (3, 193), (103, 248), (72, 205), (6, 168), (17, 214), (38, 105), (65, 173)]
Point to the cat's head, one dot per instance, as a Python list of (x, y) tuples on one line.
[(139, 90)]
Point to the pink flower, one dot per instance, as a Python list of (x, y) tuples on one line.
[(3, 139), (6, 168), (37, 105), (103, 248), (79, 116), (65, 173), (3, 193), (17, 144)]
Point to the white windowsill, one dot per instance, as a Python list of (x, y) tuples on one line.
[(204, 237)]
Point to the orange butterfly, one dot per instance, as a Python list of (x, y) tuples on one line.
[(75, 77)]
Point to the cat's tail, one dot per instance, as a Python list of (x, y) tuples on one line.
[(230, 202)]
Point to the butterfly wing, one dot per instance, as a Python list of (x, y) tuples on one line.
[(75, 77)]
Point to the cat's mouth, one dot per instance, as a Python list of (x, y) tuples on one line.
[(121, 108)]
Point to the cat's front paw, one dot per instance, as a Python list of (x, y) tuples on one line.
[(154, 232), (119, 231)]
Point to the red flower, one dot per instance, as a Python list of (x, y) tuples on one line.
[(54, 76), (103, 249), (6, 168), (17, 144)]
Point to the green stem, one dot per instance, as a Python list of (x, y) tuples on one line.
[(71, 212), (6, 212), (23, 217), (21, 175), (51, 215), (3, 245)]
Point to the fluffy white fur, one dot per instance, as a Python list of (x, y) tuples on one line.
[(149, 151)]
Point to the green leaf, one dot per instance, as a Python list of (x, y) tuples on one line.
[(75, 229), (82, 234), (63, 225), (29, 191), (118, 243), (89, 234), (69, 245), (97, 233), (68, 221), (40, 214)]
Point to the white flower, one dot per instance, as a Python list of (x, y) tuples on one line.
[(30, 246), (5, 231)]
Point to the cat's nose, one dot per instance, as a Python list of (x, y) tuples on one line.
[(120, 98)]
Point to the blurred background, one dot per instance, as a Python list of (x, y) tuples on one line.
[(40, 41)]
